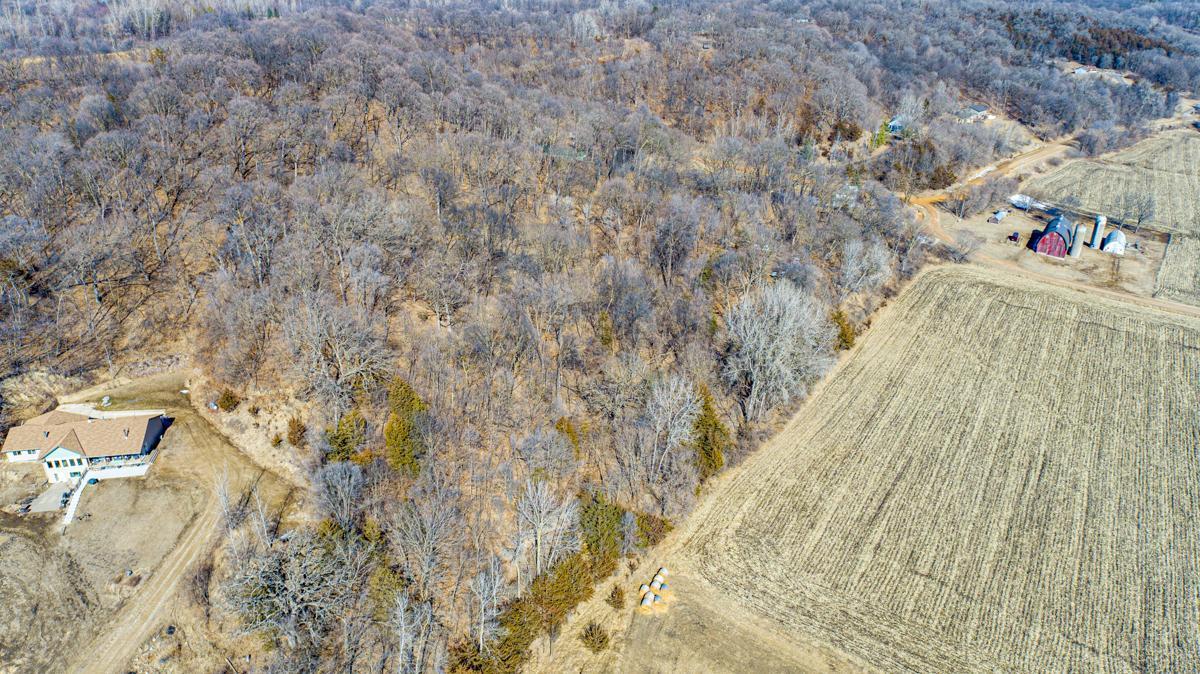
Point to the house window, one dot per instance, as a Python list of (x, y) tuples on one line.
[(49, 464), (57, 463)]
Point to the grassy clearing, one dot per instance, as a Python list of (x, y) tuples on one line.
[(1003, 478), (1179, 278), (1166, 167)]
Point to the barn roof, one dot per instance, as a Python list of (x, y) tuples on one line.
[(1115, 236), (1061, 226)]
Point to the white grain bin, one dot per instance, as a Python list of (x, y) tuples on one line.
[(1098, 231), (1114, 243), (662, 571), (656, 585), (658, 577), (1077, 241), (648, 599)]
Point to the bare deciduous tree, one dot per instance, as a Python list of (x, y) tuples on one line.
[(338, 490), (552, 524), (778, 339), (297, 589)]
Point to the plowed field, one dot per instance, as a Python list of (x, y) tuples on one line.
[(1003, 477)]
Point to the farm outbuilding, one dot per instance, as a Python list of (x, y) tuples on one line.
[(1114, 243), (1055, 239)]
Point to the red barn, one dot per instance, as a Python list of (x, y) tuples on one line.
[(1055, 240)]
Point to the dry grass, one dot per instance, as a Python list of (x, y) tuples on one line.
[(1179, 278), (1002, 478), (1167, 167)]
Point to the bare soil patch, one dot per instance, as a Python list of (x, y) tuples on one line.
[(88, 600)]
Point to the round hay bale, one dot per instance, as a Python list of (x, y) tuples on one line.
[(656, 586), (644, 588), (648, 599), (664, 587), (657, 598), (662, 571), (658, 579)]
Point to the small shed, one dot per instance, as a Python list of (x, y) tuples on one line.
[(1055, 239), (1114, 243)]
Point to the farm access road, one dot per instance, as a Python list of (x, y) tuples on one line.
[(927, 211), (197, 450)]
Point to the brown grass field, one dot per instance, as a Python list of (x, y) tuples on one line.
[(1002, 477), (1179, 277), (1166, 166)]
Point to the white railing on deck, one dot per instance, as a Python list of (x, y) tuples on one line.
[(138, 470)]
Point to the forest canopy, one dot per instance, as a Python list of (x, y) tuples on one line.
[(535, 269)]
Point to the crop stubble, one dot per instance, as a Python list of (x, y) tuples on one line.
[(1179, 278), (1166, 167), (1003, 478)]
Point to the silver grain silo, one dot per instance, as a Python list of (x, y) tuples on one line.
[(1098, 231), (1077, 241)]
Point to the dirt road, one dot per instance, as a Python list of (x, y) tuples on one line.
[(147, 610), (927, 211), (197, 451), (929, 214)]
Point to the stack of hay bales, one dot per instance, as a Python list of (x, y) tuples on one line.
[(652, 594)]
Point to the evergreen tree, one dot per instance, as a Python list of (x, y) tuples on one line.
[(346, 436), (711, 437), (401, 434)]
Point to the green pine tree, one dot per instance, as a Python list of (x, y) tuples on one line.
[(401, 434), (346, 436), (881, 136), (712, 437)]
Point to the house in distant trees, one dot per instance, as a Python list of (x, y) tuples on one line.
[(972, 113), (1055, 239), (69, 444), (898, 124)]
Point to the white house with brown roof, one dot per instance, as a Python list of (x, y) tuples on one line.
[(69, 443)]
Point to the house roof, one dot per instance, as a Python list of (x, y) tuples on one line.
[(971, 111), (87, 436), (56, 417)]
